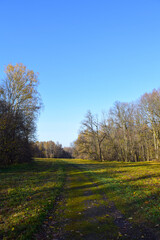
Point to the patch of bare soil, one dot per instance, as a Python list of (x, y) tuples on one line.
[(50, 229), (126, 230)]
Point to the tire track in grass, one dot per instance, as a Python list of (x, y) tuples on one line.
[(85, 213), (126, 230), (81, 212)]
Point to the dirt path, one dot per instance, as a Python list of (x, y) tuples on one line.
[(84, 213)]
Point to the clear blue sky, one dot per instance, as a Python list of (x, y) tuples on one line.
[(88, 54)]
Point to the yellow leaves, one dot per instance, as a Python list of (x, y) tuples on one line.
[(22, 90), (9, 68), (120, 234)]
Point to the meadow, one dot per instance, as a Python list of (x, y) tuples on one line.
[(134, 187), (29, 192)]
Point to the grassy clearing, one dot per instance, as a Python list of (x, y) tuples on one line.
[(134, 187), (27, 192), (82, 213)]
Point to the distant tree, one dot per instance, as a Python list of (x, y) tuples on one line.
[(150, 108), (91, 137), (50, 149), (122, 117), (68, 152), (131, 132)]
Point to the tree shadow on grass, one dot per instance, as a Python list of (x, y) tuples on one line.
[(88, 216), (28, 192)]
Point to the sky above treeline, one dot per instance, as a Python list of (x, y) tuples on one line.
[(89, 54)]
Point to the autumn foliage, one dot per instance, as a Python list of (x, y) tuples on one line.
[(19, 106), (129, 132)]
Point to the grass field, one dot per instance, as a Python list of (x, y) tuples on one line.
[(134, 187), (29, 191)]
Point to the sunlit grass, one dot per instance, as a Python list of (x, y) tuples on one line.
[(134, 187), (27, 192), (82, 197)]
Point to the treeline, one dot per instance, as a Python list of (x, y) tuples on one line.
[(130, 132), (19, 106), (50, 149)]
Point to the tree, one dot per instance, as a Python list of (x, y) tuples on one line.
[(150, 108), (19, 107), (19, 90), (14, 146), (89, 142), (51, 150), (122, 118)]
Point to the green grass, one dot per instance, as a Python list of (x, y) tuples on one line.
[(27, 192), (82, 214), (134, 188)]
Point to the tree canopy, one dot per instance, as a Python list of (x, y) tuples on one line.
[(131, 132), (20, 103)]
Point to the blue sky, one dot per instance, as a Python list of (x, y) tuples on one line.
[(88, 53)]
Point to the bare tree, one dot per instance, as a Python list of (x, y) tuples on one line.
[(91, 137), (150, 108)]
